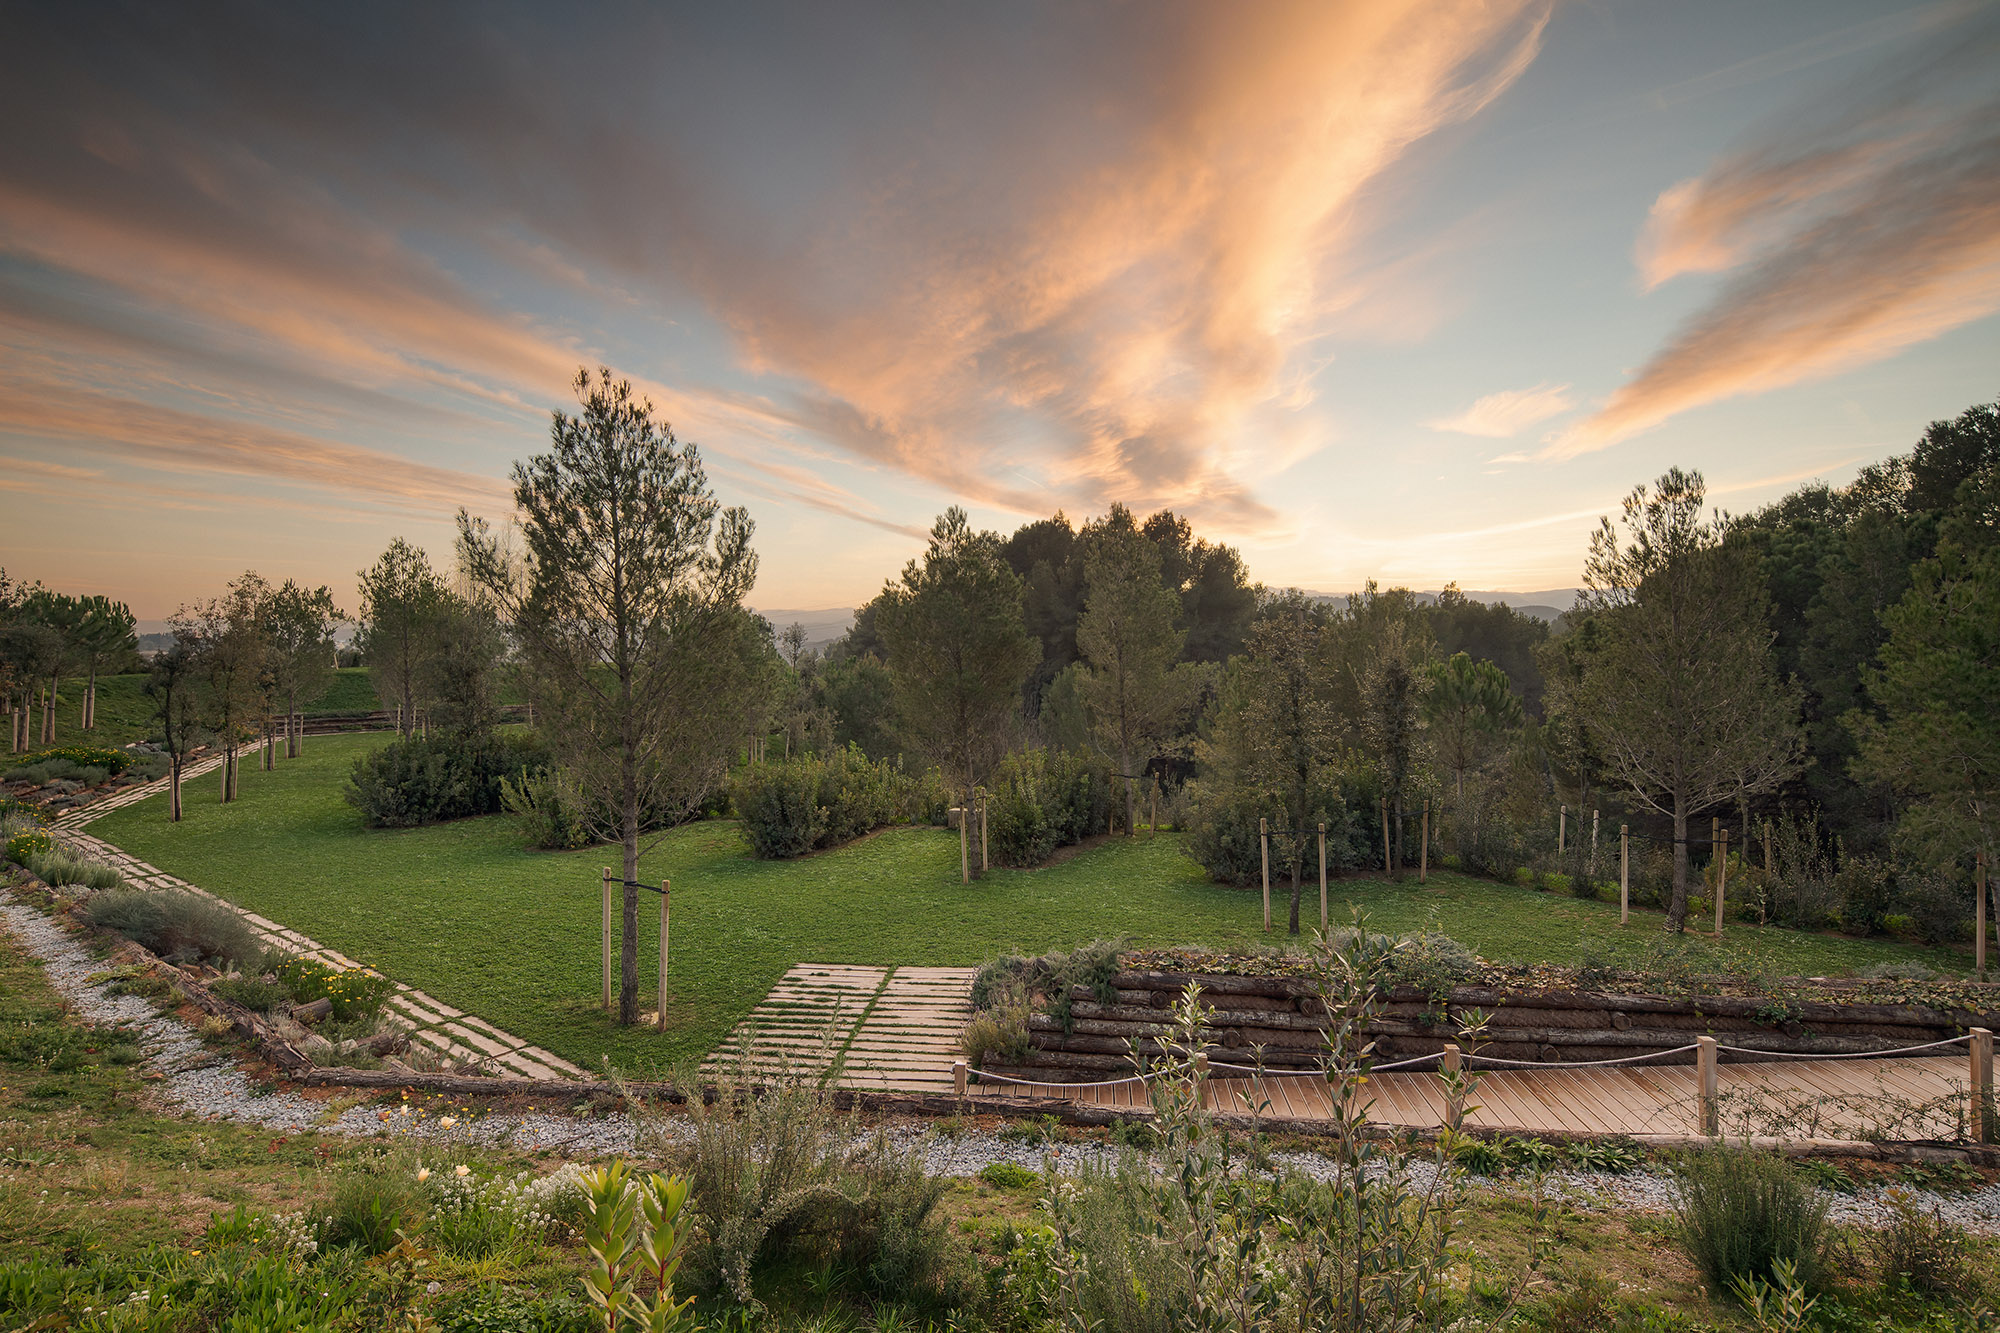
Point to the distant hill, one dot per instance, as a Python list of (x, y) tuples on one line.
[(1548, 604), (822, 627)]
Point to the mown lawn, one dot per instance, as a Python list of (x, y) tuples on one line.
[(462, 911)]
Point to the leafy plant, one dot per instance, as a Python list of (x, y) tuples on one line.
[(1739, 1213), (1008, 1176), (354, 993), (794, 806), (173, 923), (1921, 1250), (634, 1232), (453, 775)]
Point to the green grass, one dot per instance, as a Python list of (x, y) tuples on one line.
[(125, 712), (462, 911)]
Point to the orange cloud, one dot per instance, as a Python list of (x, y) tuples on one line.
[(1853, 230), (1502, 415)]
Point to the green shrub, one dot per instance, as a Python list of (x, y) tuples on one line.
[(112, 762), (793, 806), (1740, 1212), (1040, 800), (1922, 1251), (60, 867), (416, 781), (253, 993), (28, 843), (353, 992), (173, 923), (1002, 1034), (1009, 1176), (1433, 962), (369, 1206), (551, 813)]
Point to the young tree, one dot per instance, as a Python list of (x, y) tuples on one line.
[(1135, 687), (226, 638), (459, 675), (1678, 691), (174, 686), (299, 625), (1467, 703), (1279, 731), (627, 607), (1938, 687), (1392, 699), (102, 634), (401, 599), (52, 648), (958, 652)]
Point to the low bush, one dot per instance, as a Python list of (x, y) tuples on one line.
[(418, 780), (549, 810), (25, 843), (63, 774), (59, 867), (253, 993), (112, 762), (1921, 1250), (173, 923), (1041, 800), (371, 1204), (1009, 1176), (1432, 961), (793, 806), (1002, 1034), (353, 993), (1740, 1212)]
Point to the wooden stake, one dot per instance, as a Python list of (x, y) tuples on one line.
[(985, 851), (1453, 1063), (1264, 850), (1979, 892), (666, 901), (958, 1073), (1624, 874), (1562, 830), (1979, 1117), (1706, 1108), (1593, 846), (1322, 879), (964, 846), (607, 937), (1153, 819), (1721, 881), (1383, 802), (1424, 847)]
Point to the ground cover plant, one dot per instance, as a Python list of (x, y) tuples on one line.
[(464, 912)]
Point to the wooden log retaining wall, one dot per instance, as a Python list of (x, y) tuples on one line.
[(1286, 1016)]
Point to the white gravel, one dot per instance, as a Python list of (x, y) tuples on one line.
[(204, 1085)]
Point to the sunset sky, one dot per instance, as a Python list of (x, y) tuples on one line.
[(1410, 292)]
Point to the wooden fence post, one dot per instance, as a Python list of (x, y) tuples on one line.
[(1424, 848), (1593, 846), (965, 833), (666, 902), (1721, 880), (1383, 802), (607, 937), (1979, 1118), (1264, 850), (958, 1073), (1153, 819), (1706, 1087), (1979, 894), (1624, 874), (1322, 879), (1562, 829), (985, 849)]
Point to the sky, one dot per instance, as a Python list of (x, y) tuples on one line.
[(1381, 290)]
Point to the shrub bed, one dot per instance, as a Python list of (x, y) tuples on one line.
[(1042, 800), (418, 781), (794, 806)]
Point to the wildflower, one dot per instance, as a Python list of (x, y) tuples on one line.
[(462, 1170), (447, 1122), (423, 1174)]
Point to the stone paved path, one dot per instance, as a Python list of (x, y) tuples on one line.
[(898, 1027), (461, 1037)]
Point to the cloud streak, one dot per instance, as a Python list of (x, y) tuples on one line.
[(1501, 416), (1850, 229)]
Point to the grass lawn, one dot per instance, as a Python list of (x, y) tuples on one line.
[(125, 711), (462, 911)]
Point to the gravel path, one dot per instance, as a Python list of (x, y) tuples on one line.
[(204, 1085)]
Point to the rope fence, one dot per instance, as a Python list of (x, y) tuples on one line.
[(1981, 1114)]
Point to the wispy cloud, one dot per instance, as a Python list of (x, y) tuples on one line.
[(1852, 229), (1503, 415)]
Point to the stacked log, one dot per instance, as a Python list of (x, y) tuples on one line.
[(1282, 1021)]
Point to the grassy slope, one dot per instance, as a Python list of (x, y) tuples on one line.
[(463, 912), (125, 714)]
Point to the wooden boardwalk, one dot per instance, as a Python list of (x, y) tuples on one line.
[(896, 1027), (898, 1030), (1903, 1098)]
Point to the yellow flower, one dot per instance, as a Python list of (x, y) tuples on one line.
[(423, 1174)]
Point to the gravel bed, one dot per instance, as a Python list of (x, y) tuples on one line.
[(197, 1082)]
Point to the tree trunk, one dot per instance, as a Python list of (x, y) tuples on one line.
[(1131, 794), (292, 727), (628, 946), (1294, 926), (174, 789), (49, 710), (1396, 840), (1677, 906)]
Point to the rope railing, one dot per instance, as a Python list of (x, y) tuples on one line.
[(1471, 1057)]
